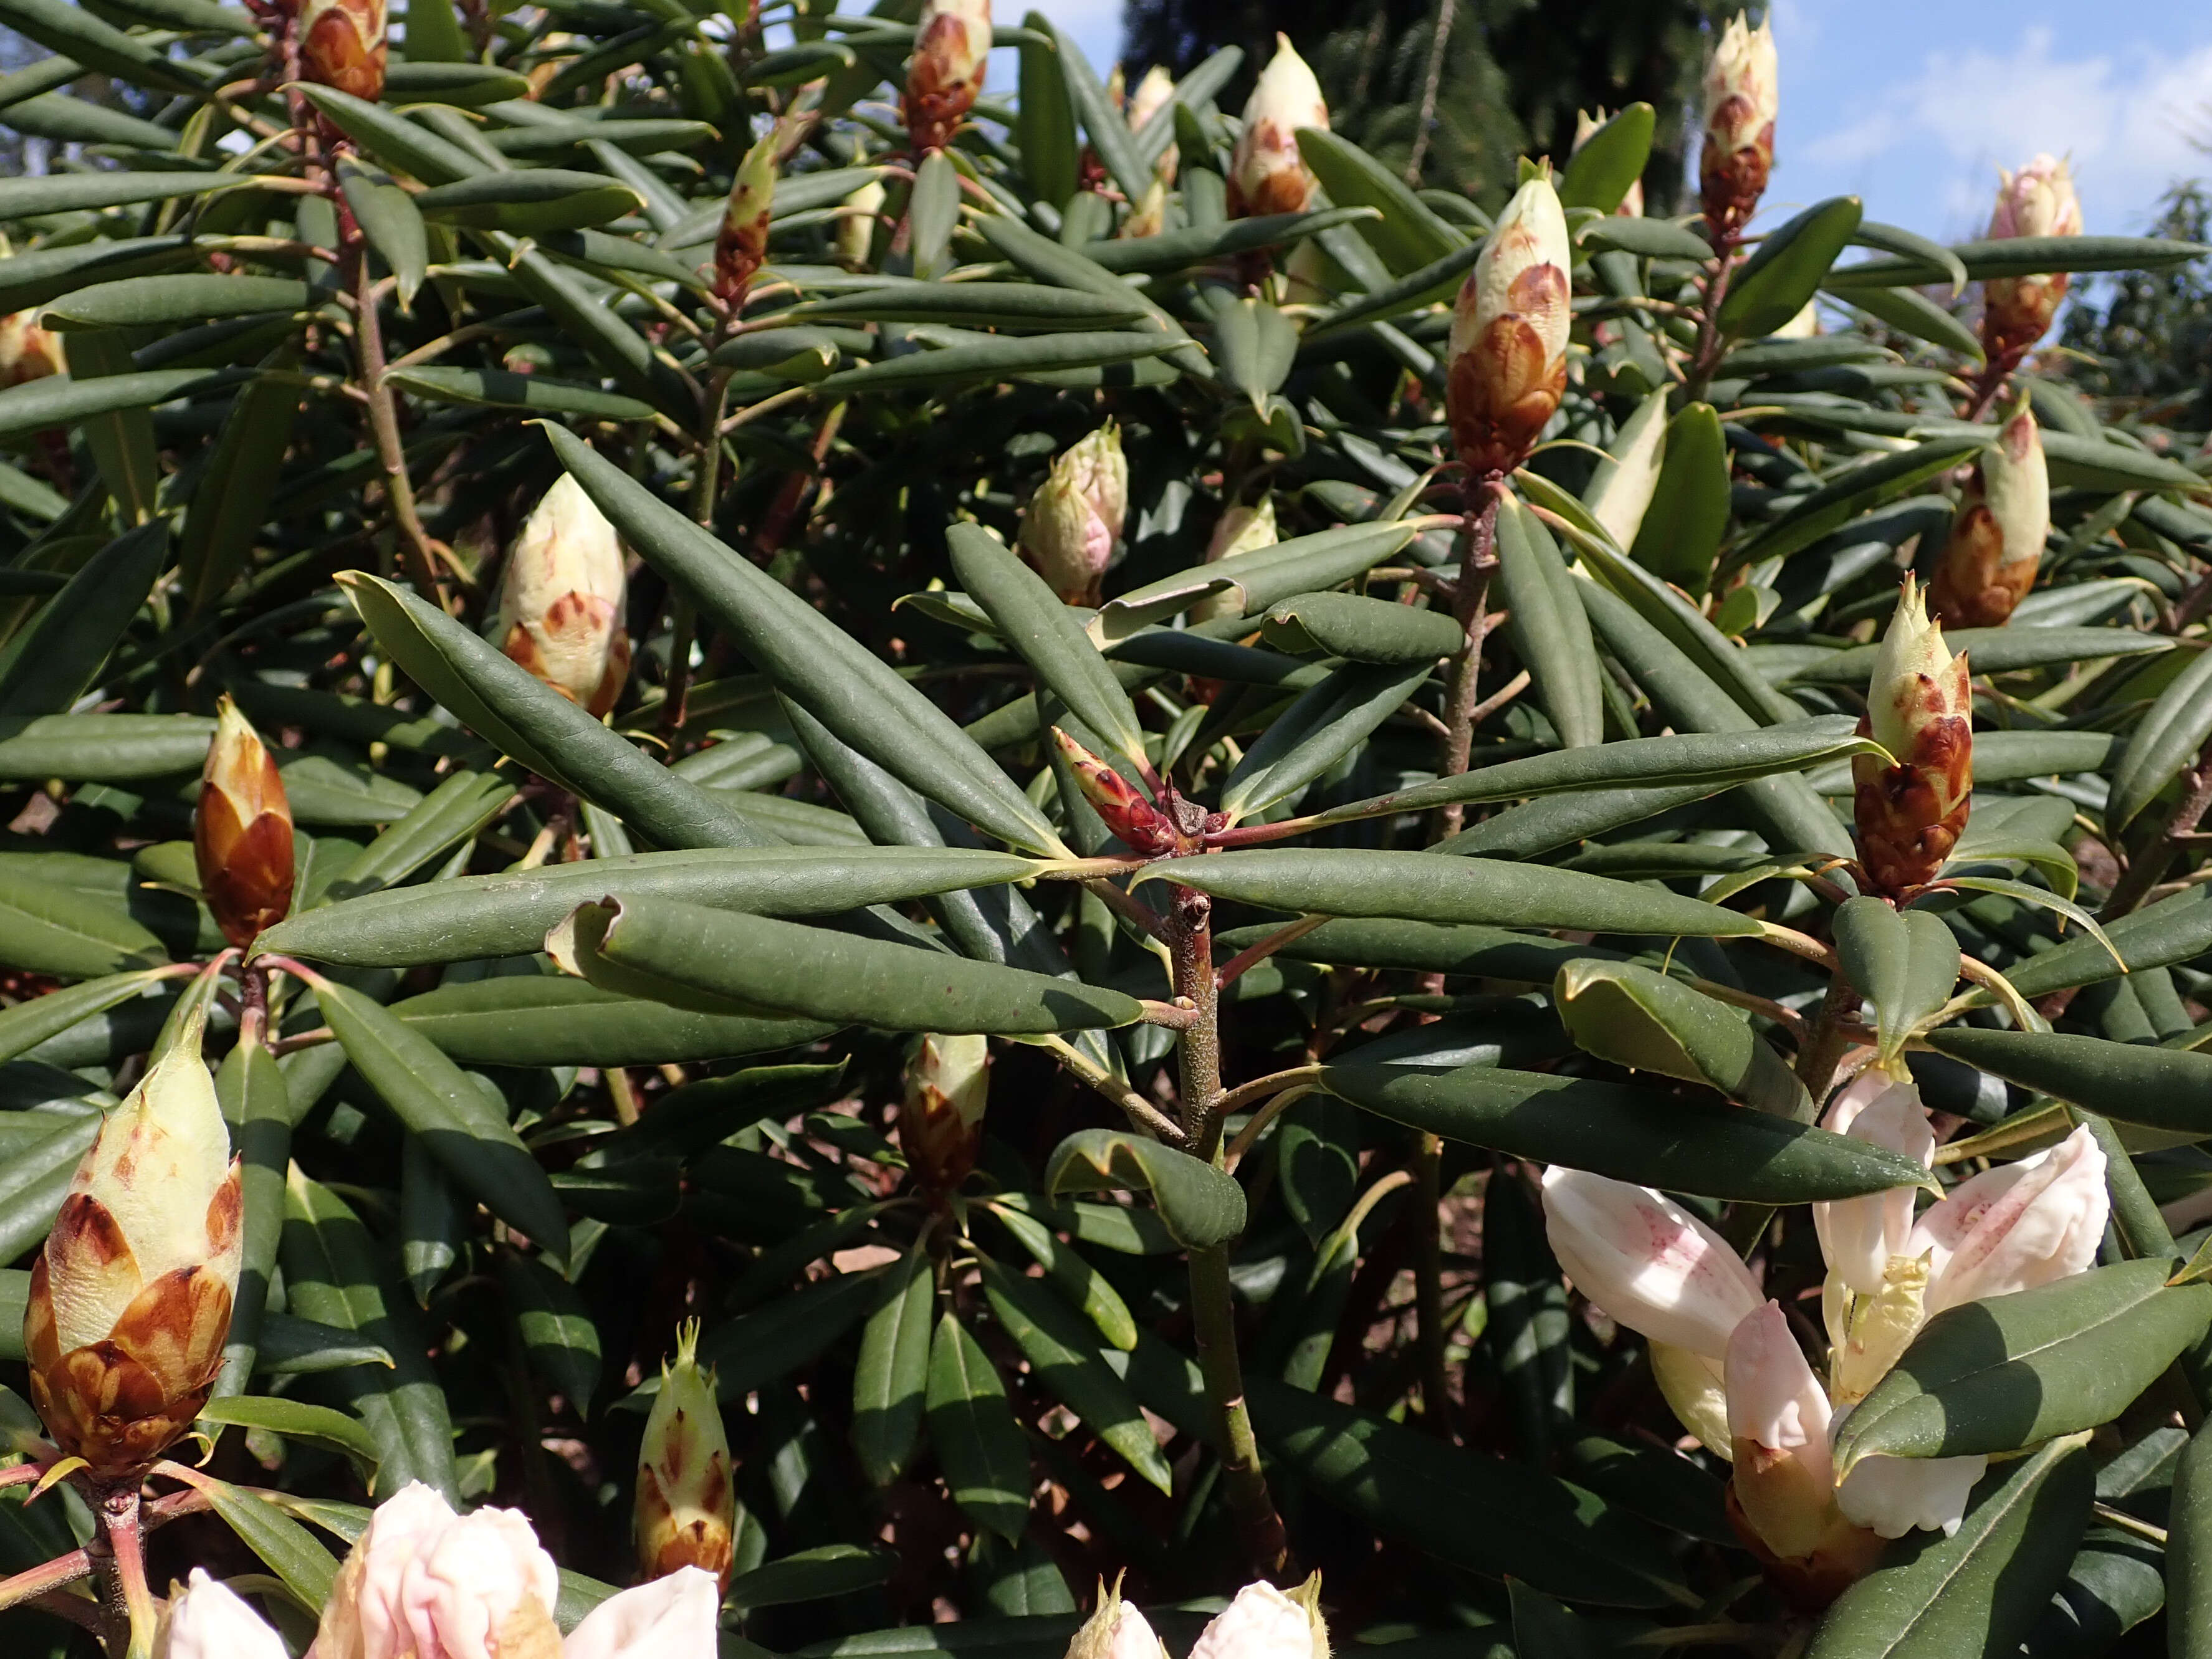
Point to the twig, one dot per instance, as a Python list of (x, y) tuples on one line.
[(1253, 955), (1246, 1137), (1142, 1112)]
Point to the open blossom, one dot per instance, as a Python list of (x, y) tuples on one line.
[(1996, 540), (1858, 1235), (207, 1619), (1508, 351), (1777, 1419), (1742, 95), (1266, 174), (560, 599), (2037, 200), (1907, 818), (2016, 1226), (951, 43), (1646, 1261)]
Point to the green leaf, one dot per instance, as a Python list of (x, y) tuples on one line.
[(1691, 1145), (1904, 963), (532, 1020), (1530, 1329), (1046, 116), (1344, 882), (2135, 1083), (978, 1443), (1679, 537), (1856, 490), (296, 1419), (1912, 312), (1083, 1285), (1648, 239), (66, 400), (450, 814), (1408, 235), (1200, 244), (249, 456), (1980, 1590), (1016, 306), (1253, 581), (2159, 935), (2189, 1550), (892, 1373), (1362, 630), (391, 138), (468, 86), (814, 1574), (1648, 1022), (494, 388), (1202, 1207), (2011, 1370), (1318, 730), (1102, 123), (759, 1348), (167, 301), (1551, 629), (2164, 741), (59, 656), (258, 1103), (49, 928), (559, 1339), (2026, 256), (1433, 282), (1604, 166), (1773, 285), (528, 204), (1996, 651), (389, 217), (1063, 1352), (726, 962), (287, 1549), (586, 318), (996, 357), (31, 1022), (437, 1102)]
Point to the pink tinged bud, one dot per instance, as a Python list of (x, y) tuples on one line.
[(1858, 1235), (206, 1619), (1073, 522), (560, 599), (1152, 95), (1895, 1495), (741, 247), (1142, 826), (1995, 545), (1263, 1623), (671, 1618), (1508, 352), (1266, 174), (952, 41), (1778, 1418), (1646, 1261), (1743, 96), (2014, 1228), (2037, 200)]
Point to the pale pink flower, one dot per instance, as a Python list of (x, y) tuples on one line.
[(1646, 1261)]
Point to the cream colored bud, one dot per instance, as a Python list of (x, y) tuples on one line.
[(856, 227), (208, 1620), (1115, 1631), (686, 1509), (1266, 174), (1778, 1414), (1995, 545), (1805, 324), (242, 831), (1149, 216), (948, 1085), (1263, 1623), (1153, 94), (1858, 1235), (1507, 350), (2037, 200), (560, 599), (1075, 518), (951, 43), (1912, 676), (741, 247), (1743, 96)]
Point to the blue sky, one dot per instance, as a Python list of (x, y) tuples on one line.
[(1914, 104)]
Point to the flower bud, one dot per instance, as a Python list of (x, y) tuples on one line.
[(342, 46), (242, 831), (1266, 174), (671, 1618), (948, 1083), (2016, 311), (1152, 95), (1908, 816), (856, 229), (130, 1297), (1115, 1631), (1996, 540), (686, 1513), (1238, 530), (1263, 1623), (1646, 1261), (952, 41), (1072, 522), (2017, 1226), (1695, 1390), (207, 1619), (28, 352), (1742, 97), (1509, 335), (422, 1582), (1142, 826), (741, 247), (1858, 1235), (560, 599), (1784, 1479), (1587, 127), (1148, 214)]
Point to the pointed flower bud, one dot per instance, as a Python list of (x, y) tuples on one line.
[(948, 1084), (2017, 1226), (1148, 214), (1996, 540), (341, 44), (671, 1618), (1742, 91), (2016, 311), (952, 41), (208, 1620), (1907, 818), (1784, 1479), (1263, 1623), (1142, 826), (687, 1509), (28, 352), (1509, 335), (1858, 1235), (1266, 174), (422, 1581), (130, 1299), (856, 228), (560, 599), (242, 831), (1587, 127), (741, 247), (1072, 522), (1115, 1631), (1646, 1261), (1152, 95)]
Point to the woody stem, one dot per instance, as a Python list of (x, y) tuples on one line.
[(1709, 338), (131, 1612), (416, 555), (1477, 564)]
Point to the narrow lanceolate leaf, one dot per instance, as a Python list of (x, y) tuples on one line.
[(29, 1023), (1551, 630), (505, 705), (1903, 963), (2135, 1083), (1318, 730), (168, 302), (60, 655), (725, 963), (1980, 1591), (450, 814), (2189, 1550), (301, 1564), (2164, 741), (1603, 167), (997, 357), (1773, 285), (1201, 1206), (978, 1443), (102, 748), (1063, 1350), (1030, 618), (1083, 1285), (258, 1105), (560, 1342), (436, 1101), (816, 663), (1687, 1145), (2157, 936), (1253, 581), (1645, 1020), (546, 1020), (298, 1420), (1424, 886), (1680, 537), (1989, 1375), (46, 927), (249, 456), (1996, 651), (892, 1374)]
